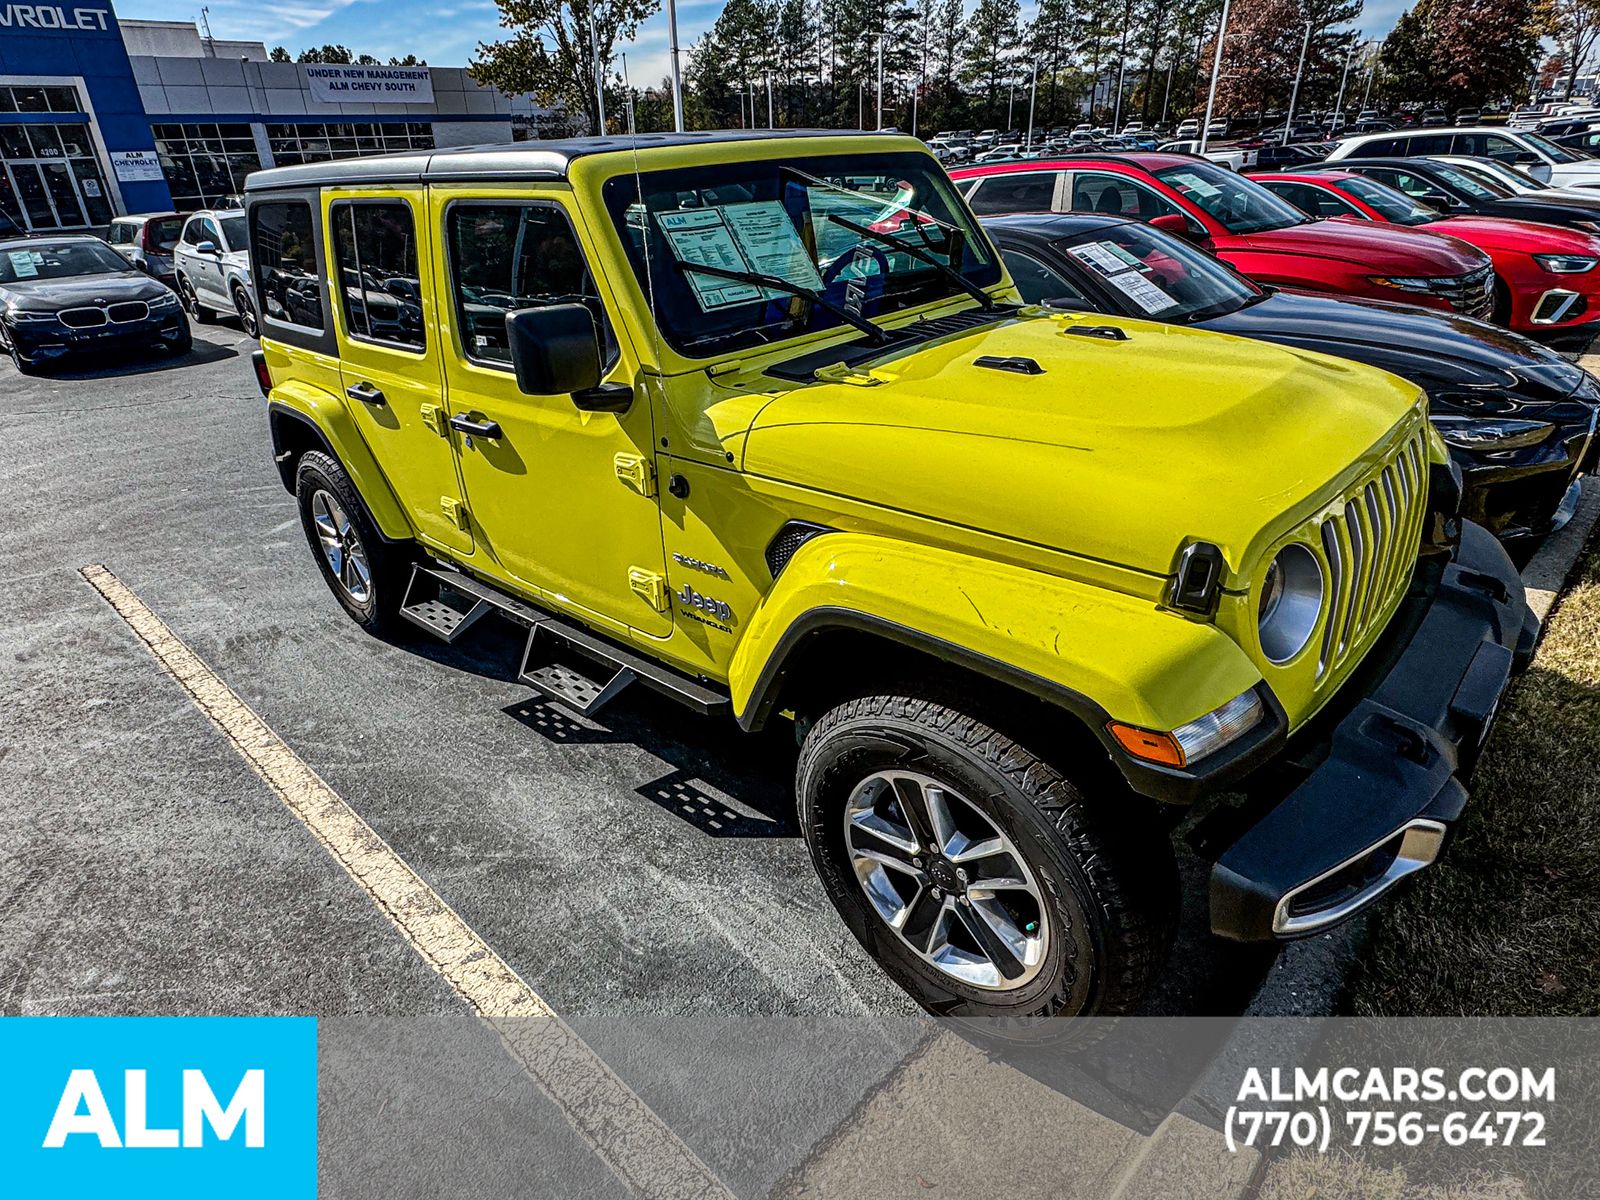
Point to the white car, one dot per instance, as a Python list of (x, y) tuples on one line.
[(1515, 178), (1540, 157), (1189, 128), (212, 264)]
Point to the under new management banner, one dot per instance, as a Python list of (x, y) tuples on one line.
[(349, 84)]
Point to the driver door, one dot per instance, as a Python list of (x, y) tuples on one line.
[(562, 499)]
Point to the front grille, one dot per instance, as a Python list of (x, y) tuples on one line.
[(82, 318), (1471, 294), (132, 310), (1369, 544)]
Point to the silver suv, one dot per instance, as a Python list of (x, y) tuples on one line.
[(212, 263)]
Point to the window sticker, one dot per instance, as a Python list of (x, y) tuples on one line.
[(770, 242), (1124, 272), (25, 263), (1193, 183), (699, 235)]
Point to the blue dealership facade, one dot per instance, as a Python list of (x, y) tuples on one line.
[(100, 117)]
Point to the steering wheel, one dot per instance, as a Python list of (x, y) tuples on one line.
[(834, 287)]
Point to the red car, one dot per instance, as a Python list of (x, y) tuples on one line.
[(1545, 278), (1250, 229)]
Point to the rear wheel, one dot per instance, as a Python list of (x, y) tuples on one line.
[(981, 878), (365, 574)]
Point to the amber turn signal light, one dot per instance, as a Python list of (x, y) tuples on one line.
[(1148, 745)]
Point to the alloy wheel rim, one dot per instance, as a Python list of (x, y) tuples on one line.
[(247, 315), (341, 547), (191, 299), (946, 880)]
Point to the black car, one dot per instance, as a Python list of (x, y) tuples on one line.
[(1518, 417), (68, 295), (1451, 190)]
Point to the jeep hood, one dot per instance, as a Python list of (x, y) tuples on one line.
[(1116, 450)]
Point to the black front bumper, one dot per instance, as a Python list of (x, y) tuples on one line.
[(1382, 802), (43, 342)]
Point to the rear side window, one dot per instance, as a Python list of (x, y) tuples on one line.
[(285, 251), (504, 257), (1379, 148), (1032, 191), (121, 234), (379, 285), (163, 232)]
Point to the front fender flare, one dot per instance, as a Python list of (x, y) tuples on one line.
[(1097, 653)]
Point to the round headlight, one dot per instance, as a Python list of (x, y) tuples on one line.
[(1290, 602)]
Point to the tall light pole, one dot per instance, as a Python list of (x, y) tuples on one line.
[(1366, 95), (1011, 105), (677, 73), (1116, 111), (877, 114), (1033, 95), (1338, 105), (769, 101), (1216, 73), (599, 74), (1294, 92)]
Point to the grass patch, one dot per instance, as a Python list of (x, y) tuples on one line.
[(1507, 923)]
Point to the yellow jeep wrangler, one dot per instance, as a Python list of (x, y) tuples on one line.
[(758, 421)]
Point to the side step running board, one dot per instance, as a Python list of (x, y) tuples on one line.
[(551, 638)]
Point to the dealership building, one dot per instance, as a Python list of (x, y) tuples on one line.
[(101, 117)]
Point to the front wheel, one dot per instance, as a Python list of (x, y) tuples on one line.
[(365, 574), (979, 876), (246, 310), (198, 312)]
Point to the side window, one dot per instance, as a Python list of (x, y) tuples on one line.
[(380, 287), (288, 277), (121, 234), (1379, 148), (192, 235), (1500, 148), (1118, 196), (1314, 201), (1027, 191), (1428, 143), (509, 256), (1039, 283), (210, 233)]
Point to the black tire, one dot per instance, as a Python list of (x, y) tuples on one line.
[(182, 346), (246, 312), (198, 312), (1109, 880), (24, 366), (388, 563)]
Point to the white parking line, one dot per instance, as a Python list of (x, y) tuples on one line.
[(637, 1146)]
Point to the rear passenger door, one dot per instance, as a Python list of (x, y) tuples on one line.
[(390, 355)]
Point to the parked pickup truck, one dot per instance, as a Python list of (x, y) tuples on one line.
[(1239, 160), (760, 422)]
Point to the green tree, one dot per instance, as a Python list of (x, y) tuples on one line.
[(992, 39), (1573, 25), (1461, 51), (279, 54), (1051, 44), (549, 53), (327, 54), (410, 60)]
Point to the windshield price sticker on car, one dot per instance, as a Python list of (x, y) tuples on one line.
[(770, 242), (1187, 181), (25, 263), (700, 236), (1124, 272)]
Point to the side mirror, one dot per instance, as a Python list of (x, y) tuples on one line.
[(556, 349), (1177, 225), (207, 247), (1438, 201)]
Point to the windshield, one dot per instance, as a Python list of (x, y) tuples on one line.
[(1471, 184), (59, 260), (1389, 203), (1239, 205), (1161, 275), (234, 230), (1556, 153), (788, 220)]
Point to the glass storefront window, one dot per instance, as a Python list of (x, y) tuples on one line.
[(205, 163), (319, 142), (50, 176)]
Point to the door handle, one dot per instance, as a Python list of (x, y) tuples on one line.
[(365, 393), (487, 429)]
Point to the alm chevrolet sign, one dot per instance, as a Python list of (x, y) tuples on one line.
[(369, 85), (51, 16)]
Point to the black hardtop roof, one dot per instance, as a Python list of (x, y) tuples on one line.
[(516, 160)]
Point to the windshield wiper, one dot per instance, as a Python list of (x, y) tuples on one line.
[(876, 332), (945, 269)]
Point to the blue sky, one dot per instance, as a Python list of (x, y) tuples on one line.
[(445, 32)]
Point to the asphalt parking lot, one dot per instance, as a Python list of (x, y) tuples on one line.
[(647, 864)]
